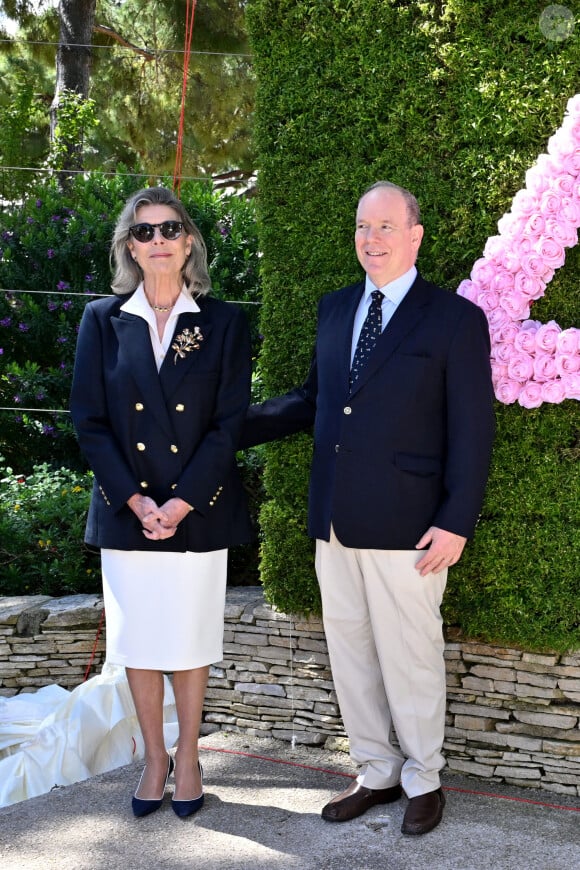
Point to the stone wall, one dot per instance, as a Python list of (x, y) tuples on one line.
[(48, 640), (512, 716)]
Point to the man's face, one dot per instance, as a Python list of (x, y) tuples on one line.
[(386, 246)]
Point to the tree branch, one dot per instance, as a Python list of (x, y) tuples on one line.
[(108, 31)]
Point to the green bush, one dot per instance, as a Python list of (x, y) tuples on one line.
[(42, 519), (453, 101)]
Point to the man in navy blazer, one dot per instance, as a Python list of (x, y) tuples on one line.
[(401, 458)]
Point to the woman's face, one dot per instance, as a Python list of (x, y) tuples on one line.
[(159, 256)]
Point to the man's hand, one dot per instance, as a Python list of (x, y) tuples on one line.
[(445, 549)]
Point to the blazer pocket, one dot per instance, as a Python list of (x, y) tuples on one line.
[(422, 466)]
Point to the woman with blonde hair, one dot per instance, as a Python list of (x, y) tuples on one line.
[(160, 389)]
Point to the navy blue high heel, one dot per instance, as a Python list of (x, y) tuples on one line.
[(144, 807), (188, 808)]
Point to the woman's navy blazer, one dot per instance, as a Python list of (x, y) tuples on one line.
[(167, 434)]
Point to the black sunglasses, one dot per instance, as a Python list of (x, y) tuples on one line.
[(169, 230)]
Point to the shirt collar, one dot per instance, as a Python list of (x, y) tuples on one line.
[(138, 304), (395, 290)]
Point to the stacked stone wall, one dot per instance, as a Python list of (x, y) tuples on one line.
[(512, 716)]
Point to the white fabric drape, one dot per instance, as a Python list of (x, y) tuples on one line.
[(54, 737)]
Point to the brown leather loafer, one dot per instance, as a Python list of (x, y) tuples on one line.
[(423, 812), (356, 800)]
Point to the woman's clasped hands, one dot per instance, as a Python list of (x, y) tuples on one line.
[(159, 522)]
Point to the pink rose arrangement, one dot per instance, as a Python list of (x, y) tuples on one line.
[(533, 362)]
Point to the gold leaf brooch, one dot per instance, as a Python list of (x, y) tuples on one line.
[(185, 342)]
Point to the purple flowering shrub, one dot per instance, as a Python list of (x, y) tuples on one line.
[(53, 252)]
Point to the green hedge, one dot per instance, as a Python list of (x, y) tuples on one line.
[(454, 101)]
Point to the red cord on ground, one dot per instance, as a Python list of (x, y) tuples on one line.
[(351, 776), (97, 636)]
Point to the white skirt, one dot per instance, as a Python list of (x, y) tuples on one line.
[(164, 611)]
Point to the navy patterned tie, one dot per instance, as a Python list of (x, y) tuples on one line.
[(369, 335)]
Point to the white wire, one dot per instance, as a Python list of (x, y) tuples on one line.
[(117, 46)]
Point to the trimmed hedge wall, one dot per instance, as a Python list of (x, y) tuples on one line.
[(454, 101)]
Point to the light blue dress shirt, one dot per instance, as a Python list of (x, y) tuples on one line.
[(394, 293)]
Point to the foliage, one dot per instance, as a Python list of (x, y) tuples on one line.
[(453, 101), (19, 116), (76, 118), (42, 517), (54, 256), (137, 68)]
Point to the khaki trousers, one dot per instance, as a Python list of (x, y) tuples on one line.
[(384, 634)]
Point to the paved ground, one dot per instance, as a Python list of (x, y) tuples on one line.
[(262, 812)]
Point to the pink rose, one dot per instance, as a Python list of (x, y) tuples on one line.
[(494, 248), (562, 142), (562, 230), (564, 149), (562, 184), (572, 127), (530, 395), (572, 385), (520, 367), (503, 281), (544, 367), (535, 225), (497, 318), (550, 203), (488, 300), (554, 392), (507, 391), (498, 372), (567, 363), (507, 333), (483, 271), (516, 304), (468, 290), (568, 341), (511, 225), (551, 252), (570, 210), (503, 352), (525, 340), (568, 161), (529, 285), (533, 264), (538, 176), (547, 336), (524, 204)]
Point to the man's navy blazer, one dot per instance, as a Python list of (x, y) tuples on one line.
[(409, 447), (166, 434)]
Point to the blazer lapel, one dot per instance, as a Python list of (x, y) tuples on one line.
[(410, 311), (135, 347), (339, 331), (187, 347)]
